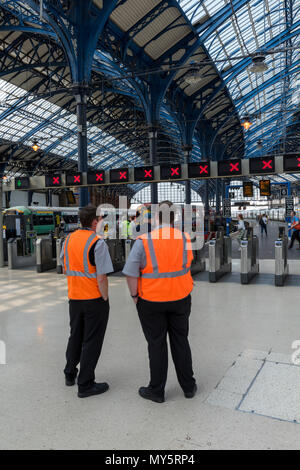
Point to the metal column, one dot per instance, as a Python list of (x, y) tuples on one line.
[(81, 94), (153, 154)]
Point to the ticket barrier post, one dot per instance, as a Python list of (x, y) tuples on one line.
[(59, 245), (220, 257), (281, 264), (198, 263), (45, 261), (128, 245), (116, 252), (249, 256), (17, 254)]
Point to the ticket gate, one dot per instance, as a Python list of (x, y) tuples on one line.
[(45, 254), (281, 264), (17, 255), (220, 258), (249, 256), (116, 252), (59, 245)]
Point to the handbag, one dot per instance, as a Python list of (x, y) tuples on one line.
[(297, 227)]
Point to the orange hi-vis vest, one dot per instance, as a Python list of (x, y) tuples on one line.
[(82, 276), (166, 276)]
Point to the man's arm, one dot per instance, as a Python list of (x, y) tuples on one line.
[(132, 283), (135, 262), (103, 285)]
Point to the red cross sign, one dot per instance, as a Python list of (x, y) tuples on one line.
[(203, 169), (123, 175), (234, 167), (175, 171), (267, 164), (148, 174)]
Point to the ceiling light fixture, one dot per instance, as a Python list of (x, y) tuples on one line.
[(258, 64), (35, 147), (246, 123)]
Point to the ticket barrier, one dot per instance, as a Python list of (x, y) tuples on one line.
[(59, 245), (45, 254), (18, 255), (116, 252), (198, 263), (281, 264), (220, 258), (249, 256)]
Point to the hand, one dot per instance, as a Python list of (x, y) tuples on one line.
[(135, 299)]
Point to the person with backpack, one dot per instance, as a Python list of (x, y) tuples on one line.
[(263, 224)]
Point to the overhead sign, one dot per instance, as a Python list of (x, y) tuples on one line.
[(145, 173), (265, 187), (291, 162), (230, 167), (262, 165), (74, 179), (22, 183), (120, 175), (199, 170), (96, 177), (53, 181), (170, 172), (248, 189)]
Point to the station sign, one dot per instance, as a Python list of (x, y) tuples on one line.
[(96, 177), (248, 189), (291, 162), (199, 170), (74, 179), (170, 172), (227, 208), (53, 181), (119, 175), (145, 173), (22, 183), (230, 167), (262, 165), (289, 205), (265, 187)]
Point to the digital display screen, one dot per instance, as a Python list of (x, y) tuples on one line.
[(119, 175), (70, 197), (199, 170), (96, 177), (22, 183), (291, 162), (52, 181), (265, 187), (145, 173), (262, 165), (74, 179), (248, 189), (170, 172), (230, 167)]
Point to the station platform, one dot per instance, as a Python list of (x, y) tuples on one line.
[(241, 337)]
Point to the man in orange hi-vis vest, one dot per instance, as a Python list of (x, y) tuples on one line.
[(160, 283), (86, 261)]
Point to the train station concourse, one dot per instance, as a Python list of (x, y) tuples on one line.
[(149, 227)]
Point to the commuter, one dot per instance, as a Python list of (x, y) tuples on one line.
[(241, 229), (295, 229), (86, 262), (263, 224), (132, 228), (160, 283)]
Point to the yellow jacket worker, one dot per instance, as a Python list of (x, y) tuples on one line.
[(86, 262)]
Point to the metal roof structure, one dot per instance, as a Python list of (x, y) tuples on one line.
[(177, 68)]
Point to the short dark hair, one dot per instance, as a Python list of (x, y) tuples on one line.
[(87, 215), (163, 211)]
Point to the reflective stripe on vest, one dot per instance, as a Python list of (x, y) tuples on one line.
[(86, 272), (156, 274)]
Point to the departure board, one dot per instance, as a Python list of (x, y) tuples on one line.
[(247, 189), (265, 187)]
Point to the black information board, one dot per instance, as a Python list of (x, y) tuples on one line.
[(96, 177), (289, 205), (199, 170), (230, 167), (227, 208), (120, 175), (22, 183), (53, 181), (145, 173), (262, 165)]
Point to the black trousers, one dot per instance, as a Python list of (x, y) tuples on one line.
[(159, 319), (295, 236), (88, 321)]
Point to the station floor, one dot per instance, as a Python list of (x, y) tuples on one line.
[(241, 338)]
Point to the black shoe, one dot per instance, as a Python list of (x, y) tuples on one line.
[(95, 389), (191, 394), (146, 393), (69, 382)]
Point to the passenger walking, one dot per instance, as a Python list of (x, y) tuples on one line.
[(295, 229), (263, 221), (160, 283), (86, 262)]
